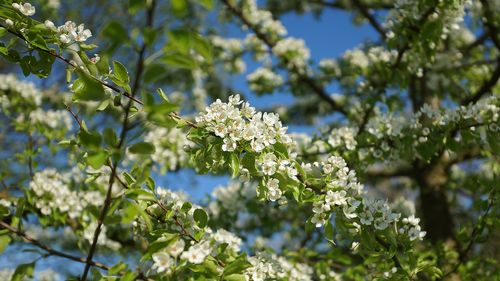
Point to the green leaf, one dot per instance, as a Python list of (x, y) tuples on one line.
[(121, 72), (162, 94), (129, 213), (4, 211), (110, 137), (86, 88), (22, 271), (237, 266), (135, 6), (90, 139), (89, 47), (248, 162), (184, 41), (329, 232), (160, 113), (200, 217), (180, 60), (4, 242), (142, 148), (235, 277), (208, 4), (179, 7), (119, 267), (115, 31), (235, 164), (96, 159), (202, 46), (140, 194)]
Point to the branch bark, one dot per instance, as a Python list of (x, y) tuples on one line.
[(48, 249)]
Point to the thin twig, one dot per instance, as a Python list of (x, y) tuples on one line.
[(489, 22), (48, 249), (486, 87), (341, 6), (371, 19), (75, 116), (30, 155), (478, 227)]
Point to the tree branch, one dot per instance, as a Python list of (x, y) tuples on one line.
[(492, 29), (341, 6), (48, 249), (486, 87), (366, 13)]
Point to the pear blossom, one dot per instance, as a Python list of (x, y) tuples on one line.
[(25, 8)]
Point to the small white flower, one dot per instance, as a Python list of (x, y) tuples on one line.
[(228, 145), (26, 9), (162, 261), (176, 248), (50, 25), (64, 39), (274, 192)]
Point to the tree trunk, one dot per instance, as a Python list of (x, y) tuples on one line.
[(436, 215)]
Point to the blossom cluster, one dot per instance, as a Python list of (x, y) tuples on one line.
[(264, 80), (374, 55), (412, 228), (445, 20), (69, 32), (343, 137), (257, 47), (178, 251), (293, 52), (230, 199), (343, 194), (170, 147), (429, 120), (27, 90), (196, 253), (53, 194), (343, 190), (262, 20), (266, 265), (230, 51), (102, 240), (54, 119), (237, 123), (14, 92), (330, 67)]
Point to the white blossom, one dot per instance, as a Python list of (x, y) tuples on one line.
[(25, 8)]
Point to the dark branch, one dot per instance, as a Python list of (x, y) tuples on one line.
[(48, 249), (366, 13), (341, 6), (486, 87), (489, 23)]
